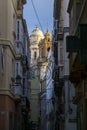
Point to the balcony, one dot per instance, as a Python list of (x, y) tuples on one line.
[(25, 63), (24, 1), (16, 88), (19, 13), (59, 36), (78, 44), (20, 7), (18, 48), (19, 10), (58, 33)]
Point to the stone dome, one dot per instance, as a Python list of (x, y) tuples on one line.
[(36, 36), (37, 32)]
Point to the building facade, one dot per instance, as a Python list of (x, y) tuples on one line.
[(12, 70), (76, 46), (64, 90)]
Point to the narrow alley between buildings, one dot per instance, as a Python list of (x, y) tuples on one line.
[(43, 75)]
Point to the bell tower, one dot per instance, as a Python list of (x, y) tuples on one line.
[(35, 38)]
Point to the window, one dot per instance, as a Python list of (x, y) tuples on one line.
[(24, 46), (16, 68), (18, 4), (35, 55), (18, 45), (48, 49), (13, 32), (42, 52), (13, 66), (48, 39), (56, 24), (61, 55), (17, 30), (23, 86), (2, 59)]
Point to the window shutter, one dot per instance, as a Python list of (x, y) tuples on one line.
[(72, 44)]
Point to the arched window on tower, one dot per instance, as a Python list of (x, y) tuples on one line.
[(48, 39), (35, 55)]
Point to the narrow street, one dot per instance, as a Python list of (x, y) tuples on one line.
[(43, 67)]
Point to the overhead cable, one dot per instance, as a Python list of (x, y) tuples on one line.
[(36, 14)]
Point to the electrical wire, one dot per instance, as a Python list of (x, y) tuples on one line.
[(42, 65), (37, 15)]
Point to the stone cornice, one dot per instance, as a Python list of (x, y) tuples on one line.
[(8, 43)]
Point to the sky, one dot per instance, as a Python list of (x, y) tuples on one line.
[(44, 9)]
